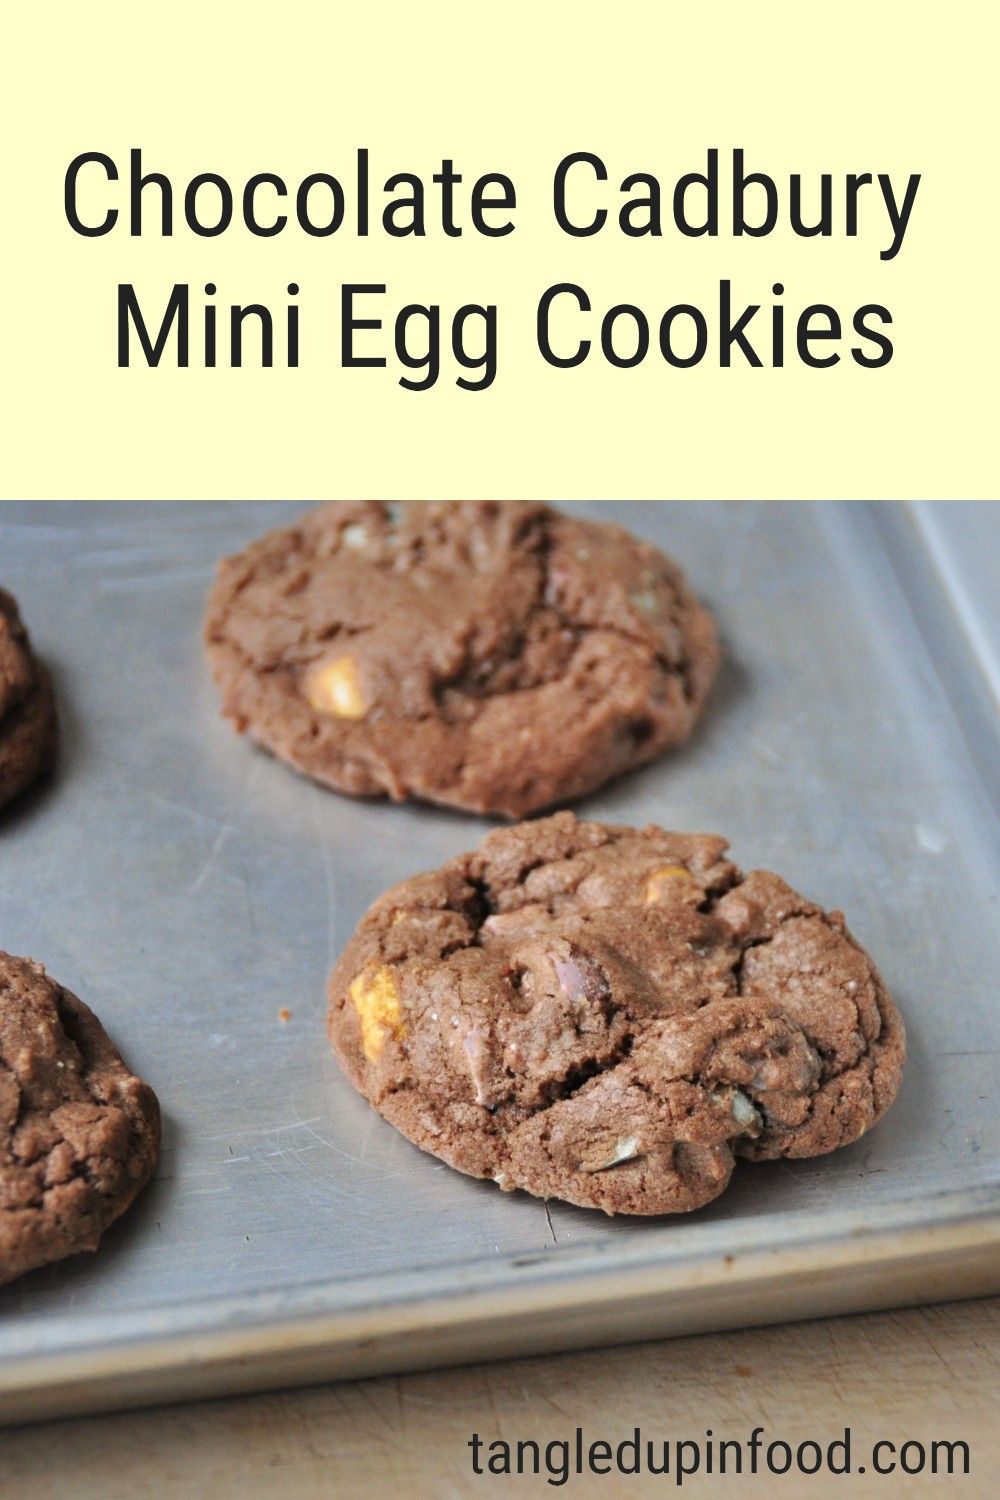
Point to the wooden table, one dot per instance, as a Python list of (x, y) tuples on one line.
[(924, 1374)]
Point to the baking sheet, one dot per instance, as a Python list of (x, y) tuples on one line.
[(190, 888)]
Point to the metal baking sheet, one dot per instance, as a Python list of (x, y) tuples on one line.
[(190, 888)]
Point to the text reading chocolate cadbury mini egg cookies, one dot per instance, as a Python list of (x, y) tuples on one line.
[(79, 1135), (497, 657), (27, 707), (609, 1015)]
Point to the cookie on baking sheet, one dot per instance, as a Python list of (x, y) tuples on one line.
[(608, 1015), (79, 1136), (497, 657), (27, 707)]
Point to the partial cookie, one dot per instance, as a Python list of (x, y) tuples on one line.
[(609, 1015), (497, 657), (27, 707), (79, 1135)]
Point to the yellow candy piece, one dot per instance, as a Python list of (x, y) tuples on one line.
[(375, 996), (658, 883), (335, 688)]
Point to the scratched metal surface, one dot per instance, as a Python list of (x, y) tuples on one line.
[(188, 887)]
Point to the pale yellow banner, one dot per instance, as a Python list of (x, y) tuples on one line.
[(284, 96)]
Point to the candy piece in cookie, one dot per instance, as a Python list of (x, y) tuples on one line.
[(27, 707), (375, 997), (79, 1135), (496, 657), (612, 1016), (333, 687)]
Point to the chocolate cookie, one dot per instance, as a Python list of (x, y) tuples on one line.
[(79, 1136), (497, 657), (608, 1015), (27, 707)]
